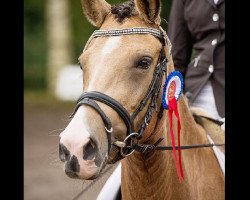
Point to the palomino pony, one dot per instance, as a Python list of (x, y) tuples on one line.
[(125, 65)]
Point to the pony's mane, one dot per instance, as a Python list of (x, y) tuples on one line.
[(124, 10)]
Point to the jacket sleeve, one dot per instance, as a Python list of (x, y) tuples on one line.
[(179, 36)]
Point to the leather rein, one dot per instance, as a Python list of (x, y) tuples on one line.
[(132, 141)]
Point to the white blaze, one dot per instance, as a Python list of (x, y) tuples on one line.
[(109, 47), (76, 133), (111, 44)]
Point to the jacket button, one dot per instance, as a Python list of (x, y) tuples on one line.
[(215, 17), (214, 42), (188, 94), (211, 68)]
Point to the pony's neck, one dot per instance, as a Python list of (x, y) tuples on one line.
[(155, 177), (152, 177)]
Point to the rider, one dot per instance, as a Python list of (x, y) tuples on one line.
[(197, 29)]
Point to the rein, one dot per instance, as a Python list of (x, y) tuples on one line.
[(128, 146), (146, 149)]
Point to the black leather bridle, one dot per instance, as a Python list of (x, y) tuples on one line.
[(128, 146)]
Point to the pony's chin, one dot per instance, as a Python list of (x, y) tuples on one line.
[(90, 177), (85, 177), (93, 175)]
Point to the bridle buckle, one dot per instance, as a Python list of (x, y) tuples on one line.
[(108, 130), (125, 141)]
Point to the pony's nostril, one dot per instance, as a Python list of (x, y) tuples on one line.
[(64, 153), (89, 150), (72, 167)]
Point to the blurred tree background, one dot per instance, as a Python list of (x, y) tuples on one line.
[(34, 44), (36, 41)]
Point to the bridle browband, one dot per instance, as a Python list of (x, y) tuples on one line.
[(128, 146)]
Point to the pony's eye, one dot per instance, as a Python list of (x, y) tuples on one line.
[(144, 63)]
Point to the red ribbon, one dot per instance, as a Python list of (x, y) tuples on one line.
[(172, 104)]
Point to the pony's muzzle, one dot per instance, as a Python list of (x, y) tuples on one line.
[(82, 160), (79, 145), (89, 149)]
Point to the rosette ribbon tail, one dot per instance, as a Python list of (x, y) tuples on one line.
[(174, 108)]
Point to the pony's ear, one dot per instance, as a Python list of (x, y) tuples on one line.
[(149, 10), (95, 11)]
